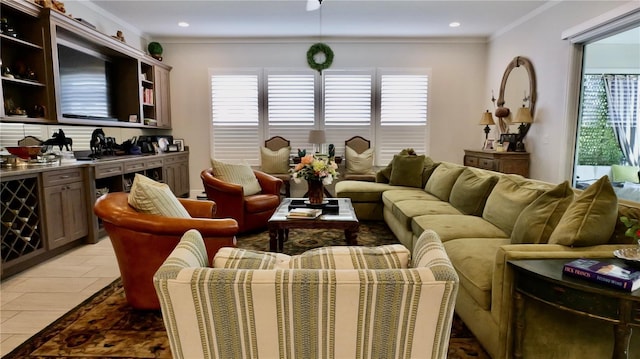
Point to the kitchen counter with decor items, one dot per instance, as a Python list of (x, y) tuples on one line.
[(46, 207)]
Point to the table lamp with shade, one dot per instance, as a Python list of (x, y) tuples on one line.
[(487, 119), (317, 138), (523, 117)]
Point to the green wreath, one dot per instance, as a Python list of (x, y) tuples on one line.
[(316, 49)]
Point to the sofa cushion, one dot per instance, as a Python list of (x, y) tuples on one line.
[(471, 190), (509, 197), (358, 163), (240, 174), (151, 197), (238, 258), (394, 195), (407, 171), (275, 161), (473, 259), (441, 181), (537, 221), (404, 211), (392, 256), (590, 219), (452, 226), (362, 192), (624, 173)]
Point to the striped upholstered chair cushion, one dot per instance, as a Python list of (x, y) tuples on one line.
[(307, 313), (151, 197)]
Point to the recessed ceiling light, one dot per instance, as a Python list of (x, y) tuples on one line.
[(454, 24), (183, 24)]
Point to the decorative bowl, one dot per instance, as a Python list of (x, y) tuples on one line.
[(630, 254), (25, 152)]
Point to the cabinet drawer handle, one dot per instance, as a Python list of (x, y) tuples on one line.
[(65, 177), (559, 290)]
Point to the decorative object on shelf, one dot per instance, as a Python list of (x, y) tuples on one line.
[(509, 141), (97, 142), (318, 50), (59, 139), (318, 172), (317, 138), (487, 119), (180, 143), (119, 35), (523, 117), (488, 144), (301, 153), (6, 72), (155, 50), (53, 4), (332, 151), (7, 29)]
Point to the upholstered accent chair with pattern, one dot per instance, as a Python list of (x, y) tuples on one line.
[(274, 160), (334, 302), (359, 160), (142, 241)]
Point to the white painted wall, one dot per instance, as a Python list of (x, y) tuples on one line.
[(539, 39), (455, 90)]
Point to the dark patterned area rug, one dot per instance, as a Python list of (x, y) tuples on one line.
[(105, 326)]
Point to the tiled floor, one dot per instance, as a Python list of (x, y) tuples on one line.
[(33, 299)]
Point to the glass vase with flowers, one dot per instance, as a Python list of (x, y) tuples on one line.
[(318, 172)]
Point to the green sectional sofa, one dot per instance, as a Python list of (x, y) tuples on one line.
[(485, 219)]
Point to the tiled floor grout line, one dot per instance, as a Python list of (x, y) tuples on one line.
[(36, 297)]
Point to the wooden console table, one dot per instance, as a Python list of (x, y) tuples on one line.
[(542, 280), (505, 162)]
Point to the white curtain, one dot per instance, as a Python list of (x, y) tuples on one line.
[(624, 105)]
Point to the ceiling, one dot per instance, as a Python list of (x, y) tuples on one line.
[(336, 18)]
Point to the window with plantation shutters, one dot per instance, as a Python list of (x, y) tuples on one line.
[(348, 105), (235, 116), (403, 113), (388, 107), (291, 106)]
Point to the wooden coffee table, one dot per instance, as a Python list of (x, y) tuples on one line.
[(345, 219)]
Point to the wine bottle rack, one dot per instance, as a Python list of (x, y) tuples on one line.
[(20, 219)]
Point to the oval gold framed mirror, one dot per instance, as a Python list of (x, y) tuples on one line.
[(518, 88)]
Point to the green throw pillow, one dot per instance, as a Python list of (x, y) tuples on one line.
[(508, 199), (442, 180), (538, 220), (590, 219), (384, 175), (407, 171), (624, 173), (470, 191), (427, 171)]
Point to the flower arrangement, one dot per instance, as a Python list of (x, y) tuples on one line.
[(633, 228), (312, 168)]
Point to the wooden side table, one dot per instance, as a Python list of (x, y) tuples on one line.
[(542, 280), (505, 162)]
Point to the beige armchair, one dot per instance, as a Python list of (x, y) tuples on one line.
[(227, 312), (359, 160)]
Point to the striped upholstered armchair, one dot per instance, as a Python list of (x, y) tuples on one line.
[(260, 304)]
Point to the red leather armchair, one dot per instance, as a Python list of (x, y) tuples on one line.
[(252, 212), (143, 241)]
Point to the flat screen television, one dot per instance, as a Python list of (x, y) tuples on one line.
[(85, 78)]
